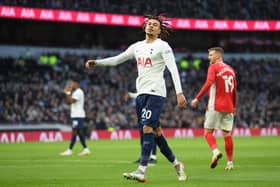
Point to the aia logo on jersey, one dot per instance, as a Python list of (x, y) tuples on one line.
[(144, 62)]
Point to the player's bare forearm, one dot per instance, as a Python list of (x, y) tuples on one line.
[(69, 99)]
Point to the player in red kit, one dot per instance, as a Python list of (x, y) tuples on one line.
[(221, 87)]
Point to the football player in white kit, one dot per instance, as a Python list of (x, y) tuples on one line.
[(75, 97), (152, 56)]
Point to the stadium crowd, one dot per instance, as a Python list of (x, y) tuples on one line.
[(218, 9), (32, 92)]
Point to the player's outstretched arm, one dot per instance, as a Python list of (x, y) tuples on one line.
[(90, 63)]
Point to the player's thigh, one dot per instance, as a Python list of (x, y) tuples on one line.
[(226, 121), (78, 123), (212, 120), (140, 103), (149, 110), (157, 132)]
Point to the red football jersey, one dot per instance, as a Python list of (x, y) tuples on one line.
[(221, 87)]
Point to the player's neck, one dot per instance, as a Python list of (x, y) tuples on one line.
[(150, 38), (219, 61)]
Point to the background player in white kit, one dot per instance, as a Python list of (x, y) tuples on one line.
[(75, 97), (152, 56)]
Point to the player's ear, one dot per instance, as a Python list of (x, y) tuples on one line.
[(144, 26)]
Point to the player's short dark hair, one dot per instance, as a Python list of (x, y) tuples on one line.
[(217, 49), (75, 79), (165, 24)]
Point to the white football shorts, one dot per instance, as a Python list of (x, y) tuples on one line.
[(218, 120)]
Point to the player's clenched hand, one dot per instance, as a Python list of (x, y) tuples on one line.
[(90, 63), (181, 101), (194, 102), (67, 89)]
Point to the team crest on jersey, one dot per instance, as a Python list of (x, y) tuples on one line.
[(167, 51), (144, 62)]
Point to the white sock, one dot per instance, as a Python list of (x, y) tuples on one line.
[(142, 168), (215, 151), (175, 162), (154, 157), (229, 163)]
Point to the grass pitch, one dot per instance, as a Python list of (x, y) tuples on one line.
[(256, 159)]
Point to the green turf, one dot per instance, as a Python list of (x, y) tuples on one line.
[(257, 163)]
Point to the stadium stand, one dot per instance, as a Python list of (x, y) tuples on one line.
[(31, 92), (31, 87)]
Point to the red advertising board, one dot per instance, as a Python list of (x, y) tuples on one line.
[(51, 136), (135, 21)]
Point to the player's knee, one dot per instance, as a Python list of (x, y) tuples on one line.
[(206, 131), (80, 132), (226, 133), (157, 132), (147, 129), (75, 131)]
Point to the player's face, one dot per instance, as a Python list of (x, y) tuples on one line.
[(212, 56), (74, 85), (153, 27)]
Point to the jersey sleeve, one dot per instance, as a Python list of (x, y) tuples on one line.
[(115, 60), (169, 59), (234, 94), (132, 95), (77, 95), (210, 79)]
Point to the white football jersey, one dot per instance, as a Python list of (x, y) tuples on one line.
[(152, 58), (77, 108)]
